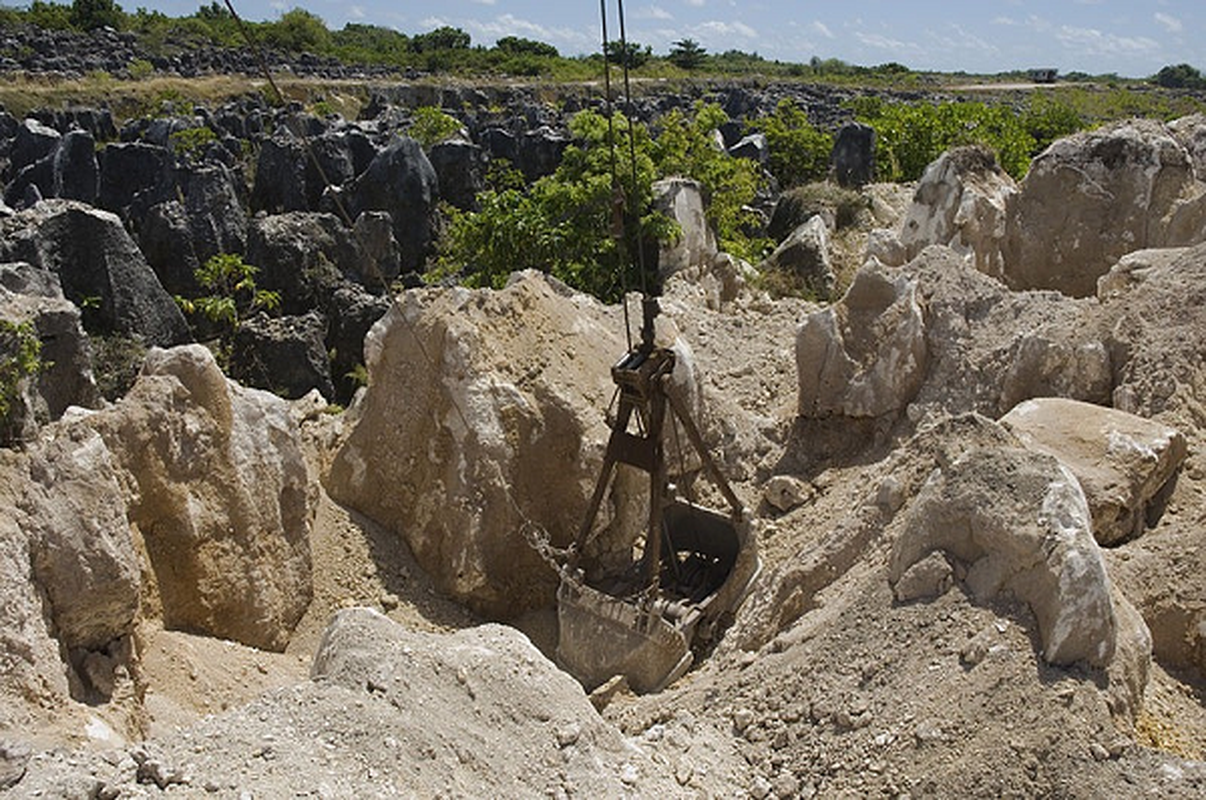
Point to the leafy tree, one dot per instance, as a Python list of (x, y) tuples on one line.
[(370, 43), (444, 38), (51, 16), (687, 54), (516, 46), (686, 146), (799, 153), (1180, 76), (631, 53), (296, 31), (88, 15)]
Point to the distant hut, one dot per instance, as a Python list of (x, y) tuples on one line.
[(1044, 75)]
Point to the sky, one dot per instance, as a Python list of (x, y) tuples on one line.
[(1094, 36)]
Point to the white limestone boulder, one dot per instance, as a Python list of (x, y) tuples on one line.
[(1017, 522), (864, 356), (1093, 197), (961, 201), (219, 494), (682, 201), (484, 408), (804, 256), (1121, 460)]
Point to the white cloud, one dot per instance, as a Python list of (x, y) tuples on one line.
[(696, 3), (356, 12), (510, 25), (822, 28), (728, 29), (652, 12), (1170, 23), (1009, 21), (1091, 41), (486, 2), (883, 42)]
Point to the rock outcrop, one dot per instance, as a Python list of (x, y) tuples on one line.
[(682, 201), (98, 265), (866, 355), (1122, 461), (506, 392), (1092, 198), (221, 497)]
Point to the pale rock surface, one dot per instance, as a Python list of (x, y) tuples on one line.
[(220, 496), (1091, 198), (866, 355), (506, 425), (990, 348), (1122, 461), (1134, 268), (805, 255), (714, 285), (83, 555), (1190, 131), (682, 201), (1018, 522), (961, 201), (785, 492)]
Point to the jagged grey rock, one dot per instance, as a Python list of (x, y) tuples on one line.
[(97, 262), (853, 156), (1122, 461), (402, 181), (285, 355)]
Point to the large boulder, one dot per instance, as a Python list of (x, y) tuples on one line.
[(285, 355), (29, 294), (460, 166), (804, 259), (1092, 198), (853, 156), (1122, 461), (98, 265), (866, 355), (402, 181), (961, 201), (307, 256), (1017, 522), (991, 348), (221, 497), (82, 552), (484, 409), (132, 173), (682, 201)]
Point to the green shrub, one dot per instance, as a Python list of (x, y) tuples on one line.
[(233, 296), (910, 136), (430, 126), (191, 142), (140, 69), (296, 31), (798, 152), (20, 358)]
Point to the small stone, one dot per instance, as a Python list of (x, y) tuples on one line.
[(568, 734), (629, 774), (759, 787), (786, 492), (684, 772), (785, 785), (1099, 752), (742, 719)]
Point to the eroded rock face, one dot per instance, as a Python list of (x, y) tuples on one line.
[(222, 497), (1092, 198), (1018, 522), (961, 201), (96, 259), (472, 394), (682, 201), (1121, 461), (864, 356), (83, 555)]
